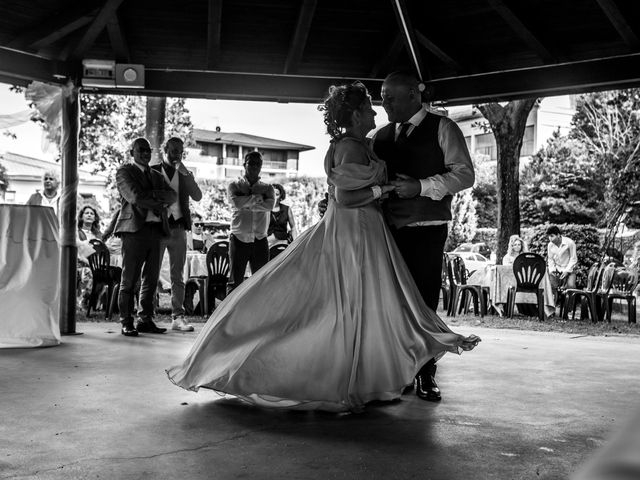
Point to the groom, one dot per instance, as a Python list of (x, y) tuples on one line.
[(428, 162)]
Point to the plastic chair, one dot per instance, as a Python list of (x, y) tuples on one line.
[(529, 270), (588, 294), (102, 274), (276, 250), (218, 275), (458, 280), (445, 286), (621, 283)]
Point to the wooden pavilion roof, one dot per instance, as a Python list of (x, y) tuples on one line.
[(292, 50)]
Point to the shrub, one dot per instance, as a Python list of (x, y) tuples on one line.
[(587, 245)]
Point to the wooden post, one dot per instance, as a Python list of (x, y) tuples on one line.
[(68, 204), (154, 131)]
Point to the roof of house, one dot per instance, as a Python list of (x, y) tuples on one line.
[(246, 140), (22, 166)]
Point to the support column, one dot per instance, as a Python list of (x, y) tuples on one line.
[(68, 205), (154, 131)]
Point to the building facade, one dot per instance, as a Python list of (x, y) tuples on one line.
[(25, 178), (219, 155), (550, 115)]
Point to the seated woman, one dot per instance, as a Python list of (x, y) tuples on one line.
[(516, 246), (88, 229), (281, 220)]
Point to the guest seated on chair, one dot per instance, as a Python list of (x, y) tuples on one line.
[(561, 260), (515, 248), (88, 229)]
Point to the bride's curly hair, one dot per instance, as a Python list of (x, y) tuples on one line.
[(342, 101)]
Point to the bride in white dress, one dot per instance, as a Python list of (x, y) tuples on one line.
[(350, 326)]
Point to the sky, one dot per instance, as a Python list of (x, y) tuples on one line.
[(292, 122)]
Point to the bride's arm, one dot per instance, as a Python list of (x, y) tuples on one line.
[(350, 152)]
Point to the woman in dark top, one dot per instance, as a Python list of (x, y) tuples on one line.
[(281, 220)]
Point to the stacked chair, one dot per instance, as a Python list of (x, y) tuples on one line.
[(103, 275), (618, 284), (276, 250), (457, 274), (588, 295), (215, 283)]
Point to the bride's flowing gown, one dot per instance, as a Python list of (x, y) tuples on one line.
[(333, 322)]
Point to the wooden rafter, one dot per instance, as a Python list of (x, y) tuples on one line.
[(617, 19), (22, 68), (118, 39), (214, 37), (404, 24), (385, 60), (521, 30), (299, 40), (54, 28), (107, 11), (438, 52)]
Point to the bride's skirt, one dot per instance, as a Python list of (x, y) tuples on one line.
[(333, 322)]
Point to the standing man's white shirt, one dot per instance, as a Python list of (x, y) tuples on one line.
[(562, 258)]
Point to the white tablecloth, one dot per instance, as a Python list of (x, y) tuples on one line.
[(195, 266), (29, 269), (500, 277)]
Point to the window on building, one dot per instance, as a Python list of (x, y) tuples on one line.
[(486, 145)]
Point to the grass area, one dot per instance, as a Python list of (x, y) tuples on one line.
[(618, 325)]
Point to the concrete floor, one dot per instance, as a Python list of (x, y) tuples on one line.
[(523, 405)]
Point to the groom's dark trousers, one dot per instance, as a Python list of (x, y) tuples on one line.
[(422, 249)]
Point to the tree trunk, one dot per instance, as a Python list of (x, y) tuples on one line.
[(508, 123), (154, 131)]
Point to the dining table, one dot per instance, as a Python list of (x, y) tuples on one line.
[(499, 278), (29, 276)]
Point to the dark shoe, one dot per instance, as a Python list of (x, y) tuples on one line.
[(147, 326), (426, 386), (128, 330)]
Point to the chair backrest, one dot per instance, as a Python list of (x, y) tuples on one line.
[(444, 275), (99, 262), (606, 278), (457, 271), (218, 260), (276, 250), (529, 269), (594, 276), (624, 281)]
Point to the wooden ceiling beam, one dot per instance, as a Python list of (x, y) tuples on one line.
[(522, 31), (621, 25), (24, 68), (109, 8), (592, 75), (300, 36), (118, 39), (388, 57), (54, 28), (408, 33), (438, 52), (214, 33)]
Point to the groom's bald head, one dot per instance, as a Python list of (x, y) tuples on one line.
[(401, 96)]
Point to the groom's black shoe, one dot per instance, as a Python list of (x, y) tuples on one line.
[(426, 386), (128, 330), (146, 325)]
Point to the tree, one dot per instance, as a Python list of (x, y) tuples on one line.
[(609, 125), (562, 184), (463, 225), (4, 179), (484, 191), (508, 123)]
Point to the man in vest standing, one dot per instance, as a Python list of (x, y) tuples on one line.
[(182, 182), (428, 162)]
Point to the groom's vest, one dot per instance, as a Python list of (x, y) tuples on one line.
[(419, 156)]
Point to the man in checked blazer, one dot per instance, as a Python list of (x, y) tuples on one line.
[(142, 222)]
